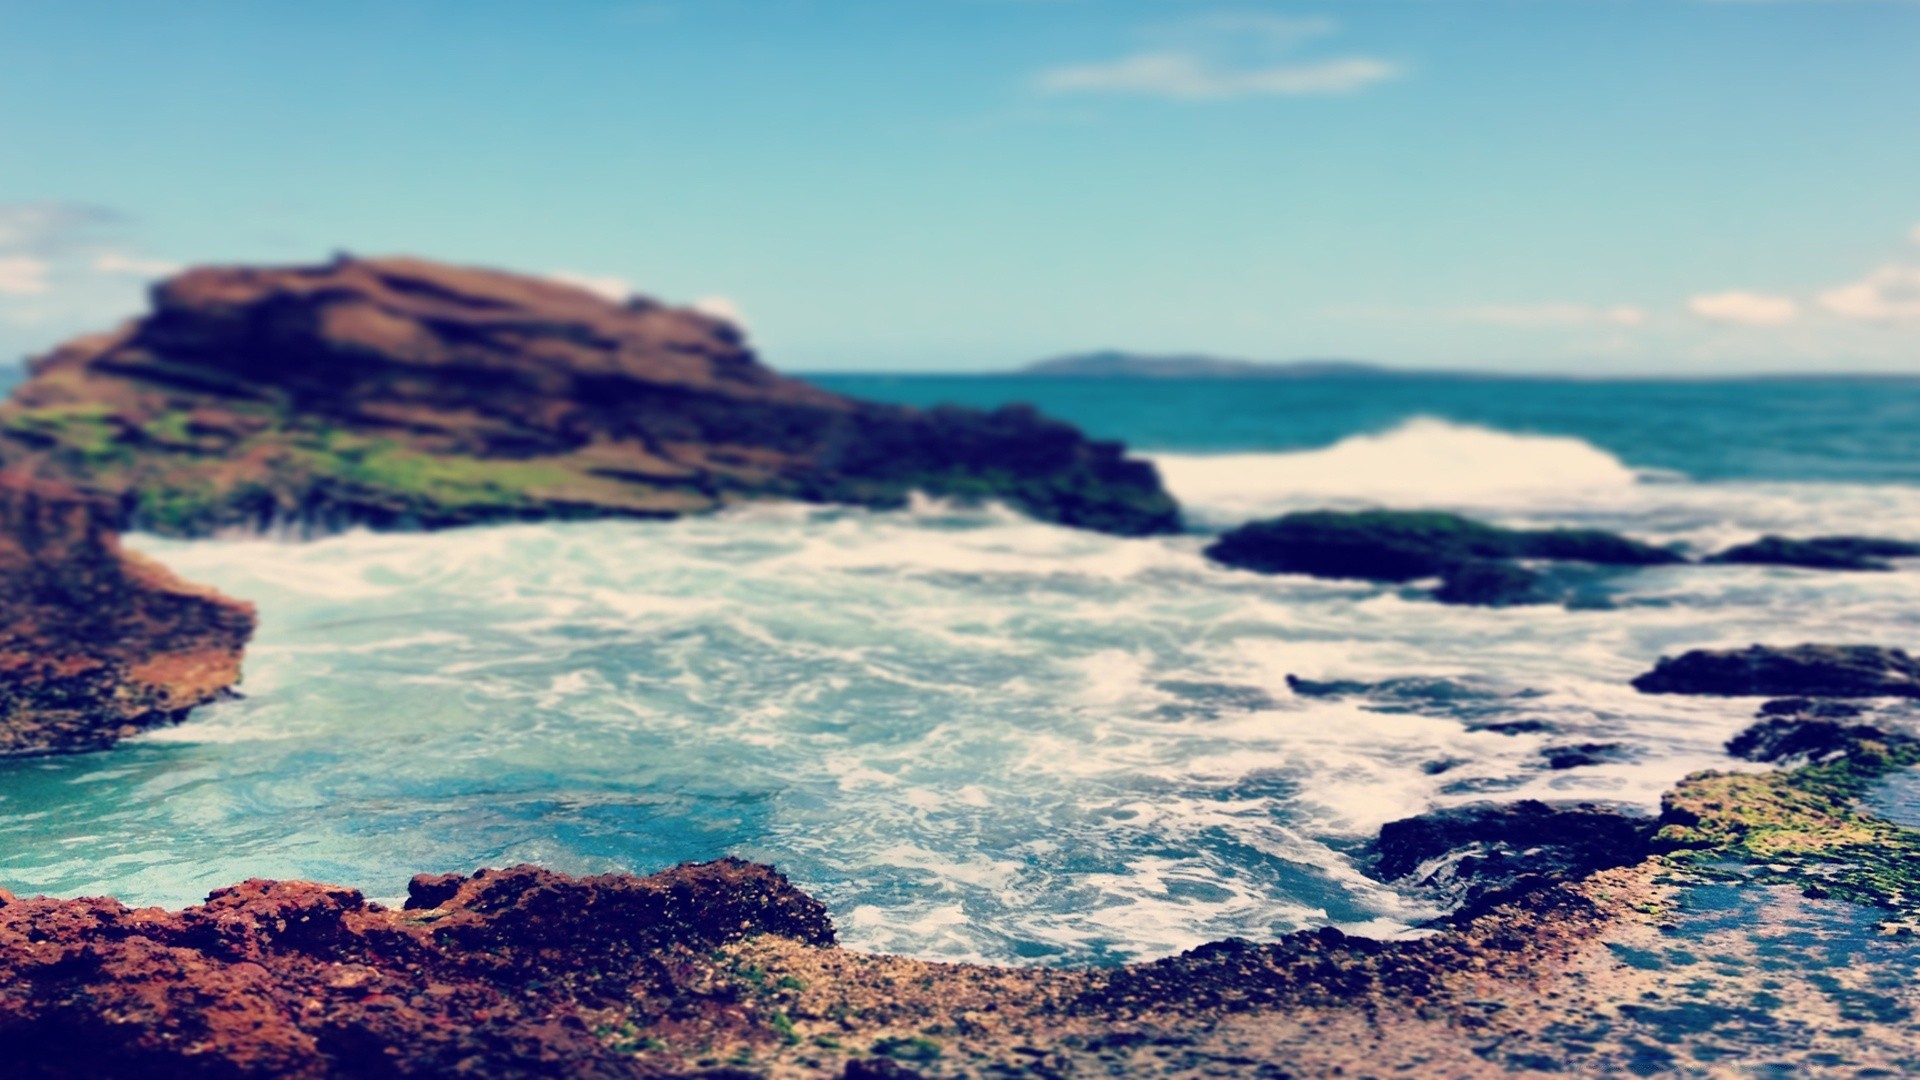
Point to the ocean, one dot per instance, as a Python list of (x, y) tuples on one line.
[(974, 736)]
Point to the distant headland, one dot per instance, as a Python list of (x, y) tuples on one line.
[(1119, 364)]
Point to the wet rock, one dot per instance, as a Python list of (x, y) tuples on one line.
[(1581, 755), (1820, 552), (1484, 583), (1479, 856), (1400, 546), (405, 393), (1799, 671), (98, 643), (1826, 709), (1809, 738)]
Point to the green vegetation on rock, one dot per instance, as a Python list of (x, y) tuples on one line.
[(1802, 827)]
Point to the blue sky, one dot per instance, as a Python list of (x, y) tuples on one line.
[(1616, 186)]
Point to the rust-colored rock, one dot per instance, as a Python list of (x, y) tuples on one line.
[(97, 642), (405, 393), (505, 976)]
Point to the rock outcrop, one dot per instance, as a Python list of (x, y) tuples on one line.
[(1842, 671), (1476, 561), (1478, 856), (97, 643), (499, 974), (1820, 552), (404, 393)]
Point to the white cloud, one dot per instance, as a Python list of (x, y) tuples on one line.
[(119, 262), (22, 275), (1915, 234), (1551, 314), (1188, 77), (1888, 294), (1744, 308), (1224, 56), (609, 286), (49, 228), (720, 307)]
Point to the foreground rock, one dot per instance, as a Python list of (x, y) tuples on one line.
[(97, 643), (1474, 559), (1843, 671), (1820, 552), (725, 970), (404, 393)]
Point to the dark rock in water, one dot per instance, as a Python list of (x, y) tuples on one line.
[(1820, 552), (1399, 546), (1809, 707), (1808, 739), (1475, 560), (1480, 706), (405, 393), (1514, 727), (1415, 687), (1581, 755), (98, 643), (1485, 583), (1484, 855), (1803, 670)]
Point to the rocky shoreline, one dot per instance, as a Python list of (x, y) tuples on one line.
[(403, 394), (98, 643), (1589, 954)]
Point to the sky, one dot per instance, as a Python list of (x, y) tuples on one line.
[(1594, 187)]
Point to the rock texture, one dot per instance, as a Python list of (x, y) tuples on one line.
[(1479, 856), (404, 393), (1844, 671), (96, 642), (1820, 552), (1475, 560), (494, 975)]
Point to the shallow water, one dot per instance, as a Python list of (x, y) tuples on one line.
[(971, 735)]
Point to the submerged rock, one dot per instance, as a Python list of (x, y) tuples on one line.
[(1477, 856), (399, 392), (1802, 670), (98, 643), (1820, 552)]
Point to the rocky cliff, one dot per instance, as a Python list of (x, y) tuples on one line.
[(404, 393), (96, 642)]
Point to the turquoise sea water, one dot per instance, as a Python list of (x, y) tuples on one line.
[(977, 736)]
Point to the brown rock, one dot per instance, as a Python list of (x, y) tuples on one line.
[(296, 979), (96, 642), (404, 393)]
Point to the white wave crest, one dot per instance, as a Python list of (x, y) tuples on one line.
[(1423, 462)]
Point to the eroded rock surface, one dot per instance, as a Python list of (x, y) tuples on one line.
[(1477, 856), (405, 393), (1820, 552), (1843, 671), (96, 642)]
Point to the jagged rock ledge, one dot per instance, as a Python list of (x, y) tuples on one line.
[(406, 393), (726, 970), (97, 643)]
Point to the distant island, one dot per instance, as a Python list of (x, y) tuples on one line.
[(1115, 364)]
